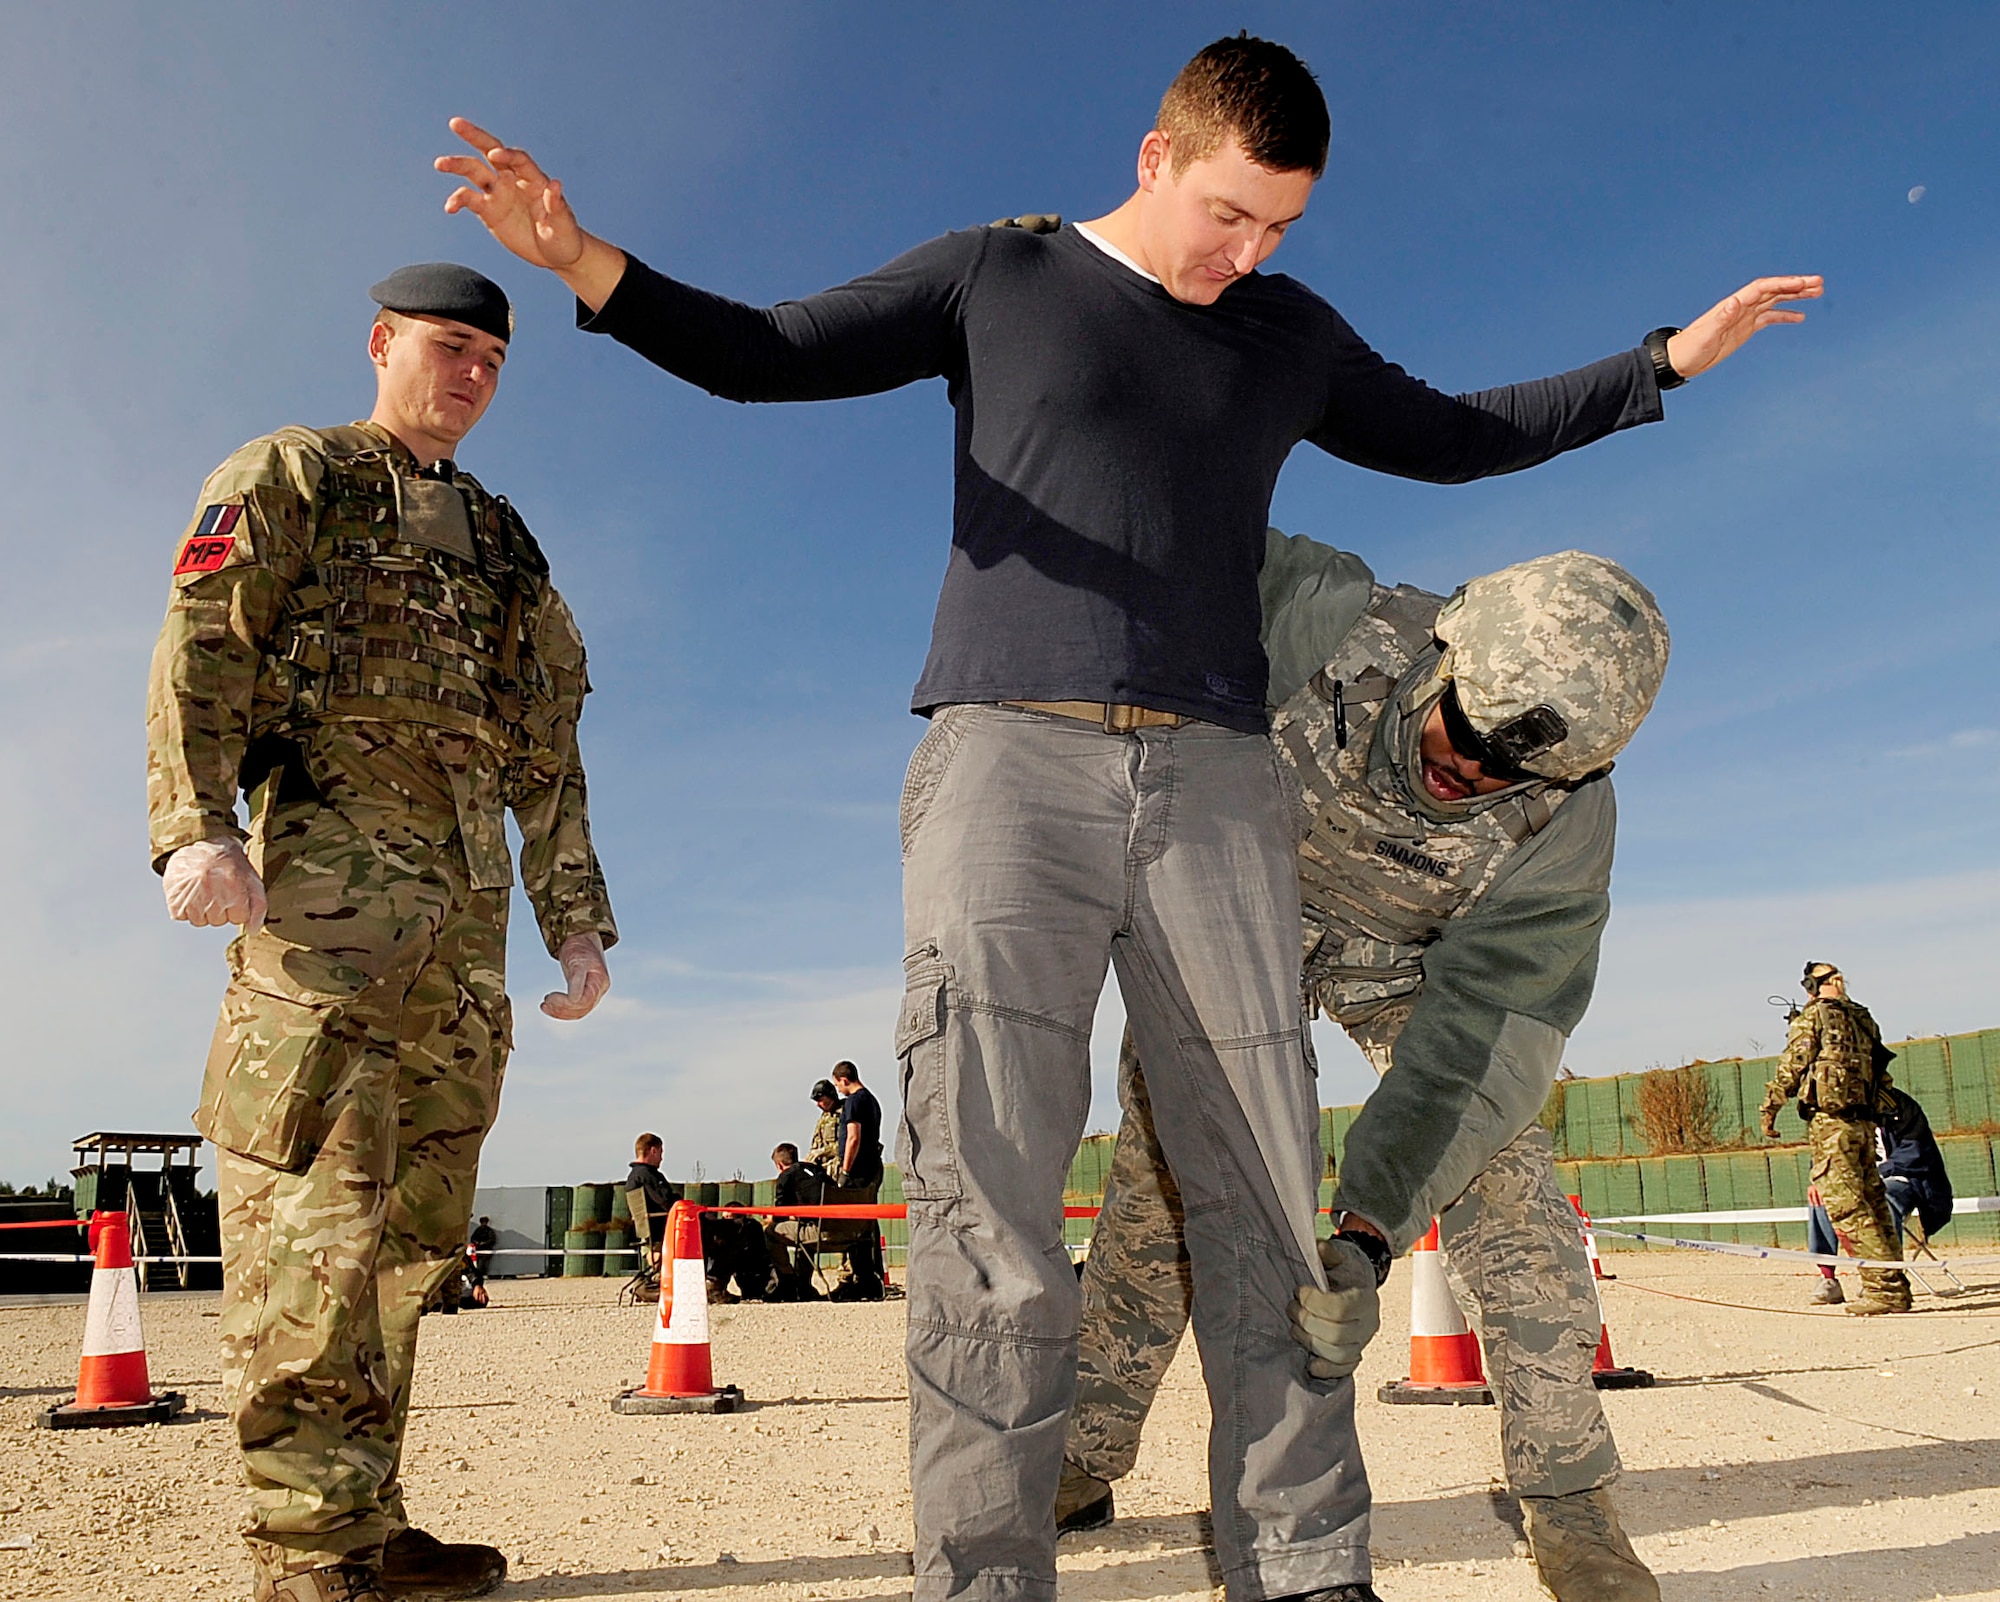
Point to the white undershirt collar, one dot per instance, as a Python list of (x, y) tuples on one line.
[(1115, 253)]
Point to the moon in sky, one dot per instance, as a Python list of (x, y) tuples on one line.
[(1916, 194)]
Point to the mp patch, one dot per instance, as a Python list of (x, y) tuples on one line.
[(214, 537)]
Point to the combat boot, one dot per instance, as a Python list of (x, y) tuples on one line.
[(1083, 1502), (1871, 1304), (1581, 1553), (416, 1563), (1829, 1294), (344, 1582)]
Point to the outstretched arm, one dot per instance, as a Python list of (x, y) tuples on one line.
[(1378, 416), (525, 209), (889, 328)]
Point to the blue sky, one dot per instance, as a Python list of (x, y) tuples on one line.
[(200, 195)]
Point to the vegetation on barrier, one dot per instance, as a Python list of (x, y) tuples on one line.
[(1679, 1110)]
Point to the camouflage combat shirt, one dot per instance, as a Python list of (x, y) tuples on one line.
[(398, 633), (1489, 913)]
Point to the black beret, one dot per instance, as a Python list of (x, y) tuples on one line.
[(445, 289), (825, 1088)]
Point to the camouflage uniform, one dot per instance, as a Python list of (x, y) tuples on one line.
[(1395, 893), (380, 662), (825, 1147), (1832, 1063)]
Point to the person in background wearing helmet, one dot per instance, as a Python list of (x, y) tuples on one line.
[(1835, 1063), (1456, 822)]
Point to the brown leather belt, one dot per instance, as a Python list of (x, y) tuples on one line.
[(1113, 717)]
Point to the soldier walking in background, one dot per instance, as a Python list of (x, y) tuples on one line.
[(1835, 1063), (364, 643), (1456, 843)]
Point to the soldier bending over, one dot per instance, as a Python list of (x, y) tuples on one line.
[(1456, 839)]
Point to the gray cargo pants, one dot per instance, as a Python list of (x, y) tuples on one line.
[(1036, 849), (1513, 1254)]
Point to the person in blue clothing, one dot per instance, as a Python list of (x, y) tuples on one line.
[(859, 1177), (1097, 786)]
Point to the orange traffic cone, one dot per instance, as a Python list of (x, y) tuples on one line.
[(1444, 1353), (1605, 1374), (112, 1386), (680, 1377)]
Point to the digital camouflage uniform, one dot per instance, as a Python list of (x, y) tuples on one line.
[(1833, 1062), (1472, 930), (378, 659)]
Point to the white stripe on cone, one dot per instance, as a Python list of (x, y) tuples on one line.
[(111, 1327), (1443, 1349), (687, 1323)]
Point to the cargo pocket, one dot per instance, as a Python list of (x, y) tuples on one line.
[(286, 1045), (271, 1069), (925, 1147)]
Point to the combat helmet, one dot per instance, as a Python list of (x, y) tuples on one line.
[(1554, 662)]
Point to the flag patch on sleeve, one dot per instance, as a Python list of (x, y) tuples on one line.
[(214, 537)]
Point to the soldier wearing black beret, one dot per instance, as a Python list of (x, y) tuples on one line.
[(363, 645)]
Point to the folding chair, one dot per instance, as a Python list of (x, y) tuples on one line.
[(1920, 1246), (644, 1285)]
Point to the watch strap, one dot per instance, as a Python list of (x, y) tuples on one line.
[(1373, 1247), (1663, 370)]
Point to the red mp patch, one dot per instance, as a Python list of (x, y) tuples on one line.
[(214, 537)]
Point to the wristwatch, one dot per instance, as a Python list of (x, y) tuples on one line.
[(1373, 1247), (1663, 370)]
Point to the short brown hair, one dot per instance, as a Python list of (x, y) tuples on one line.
[(847, 1070), (1256, 90), (646, 1143), (786, 1150)]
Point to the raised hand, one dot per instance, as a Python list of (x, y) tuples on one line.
[(522, 206), (1727, 324)]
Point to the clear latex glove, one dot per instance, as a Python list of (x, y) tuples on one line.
[(211, 883), (1335, 1325), (582, 959)]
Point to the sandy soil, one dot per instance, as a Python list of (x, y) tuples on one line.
[(1786, 1452)]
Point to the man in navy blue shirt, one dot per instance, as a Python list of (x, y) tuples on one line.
[(860, 1129), (1096, 786), (859, 1177)]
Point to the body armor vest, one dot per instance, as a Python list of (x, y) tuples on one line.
[(1844, 1079), (1380, 878), (409, 607)]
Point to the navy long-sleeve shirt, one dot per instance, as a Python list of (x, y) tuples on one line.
[(1116, 448)]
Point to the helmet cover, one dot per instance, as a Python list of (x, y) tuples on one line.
[(1556, 661)]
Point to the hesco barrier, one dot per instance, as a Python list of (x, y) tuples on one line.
[(1603, 1156), (1956, 1077), (1602, 1153)]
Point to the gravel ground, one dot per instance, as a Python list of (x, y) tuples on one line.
[(1786, 1452)]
